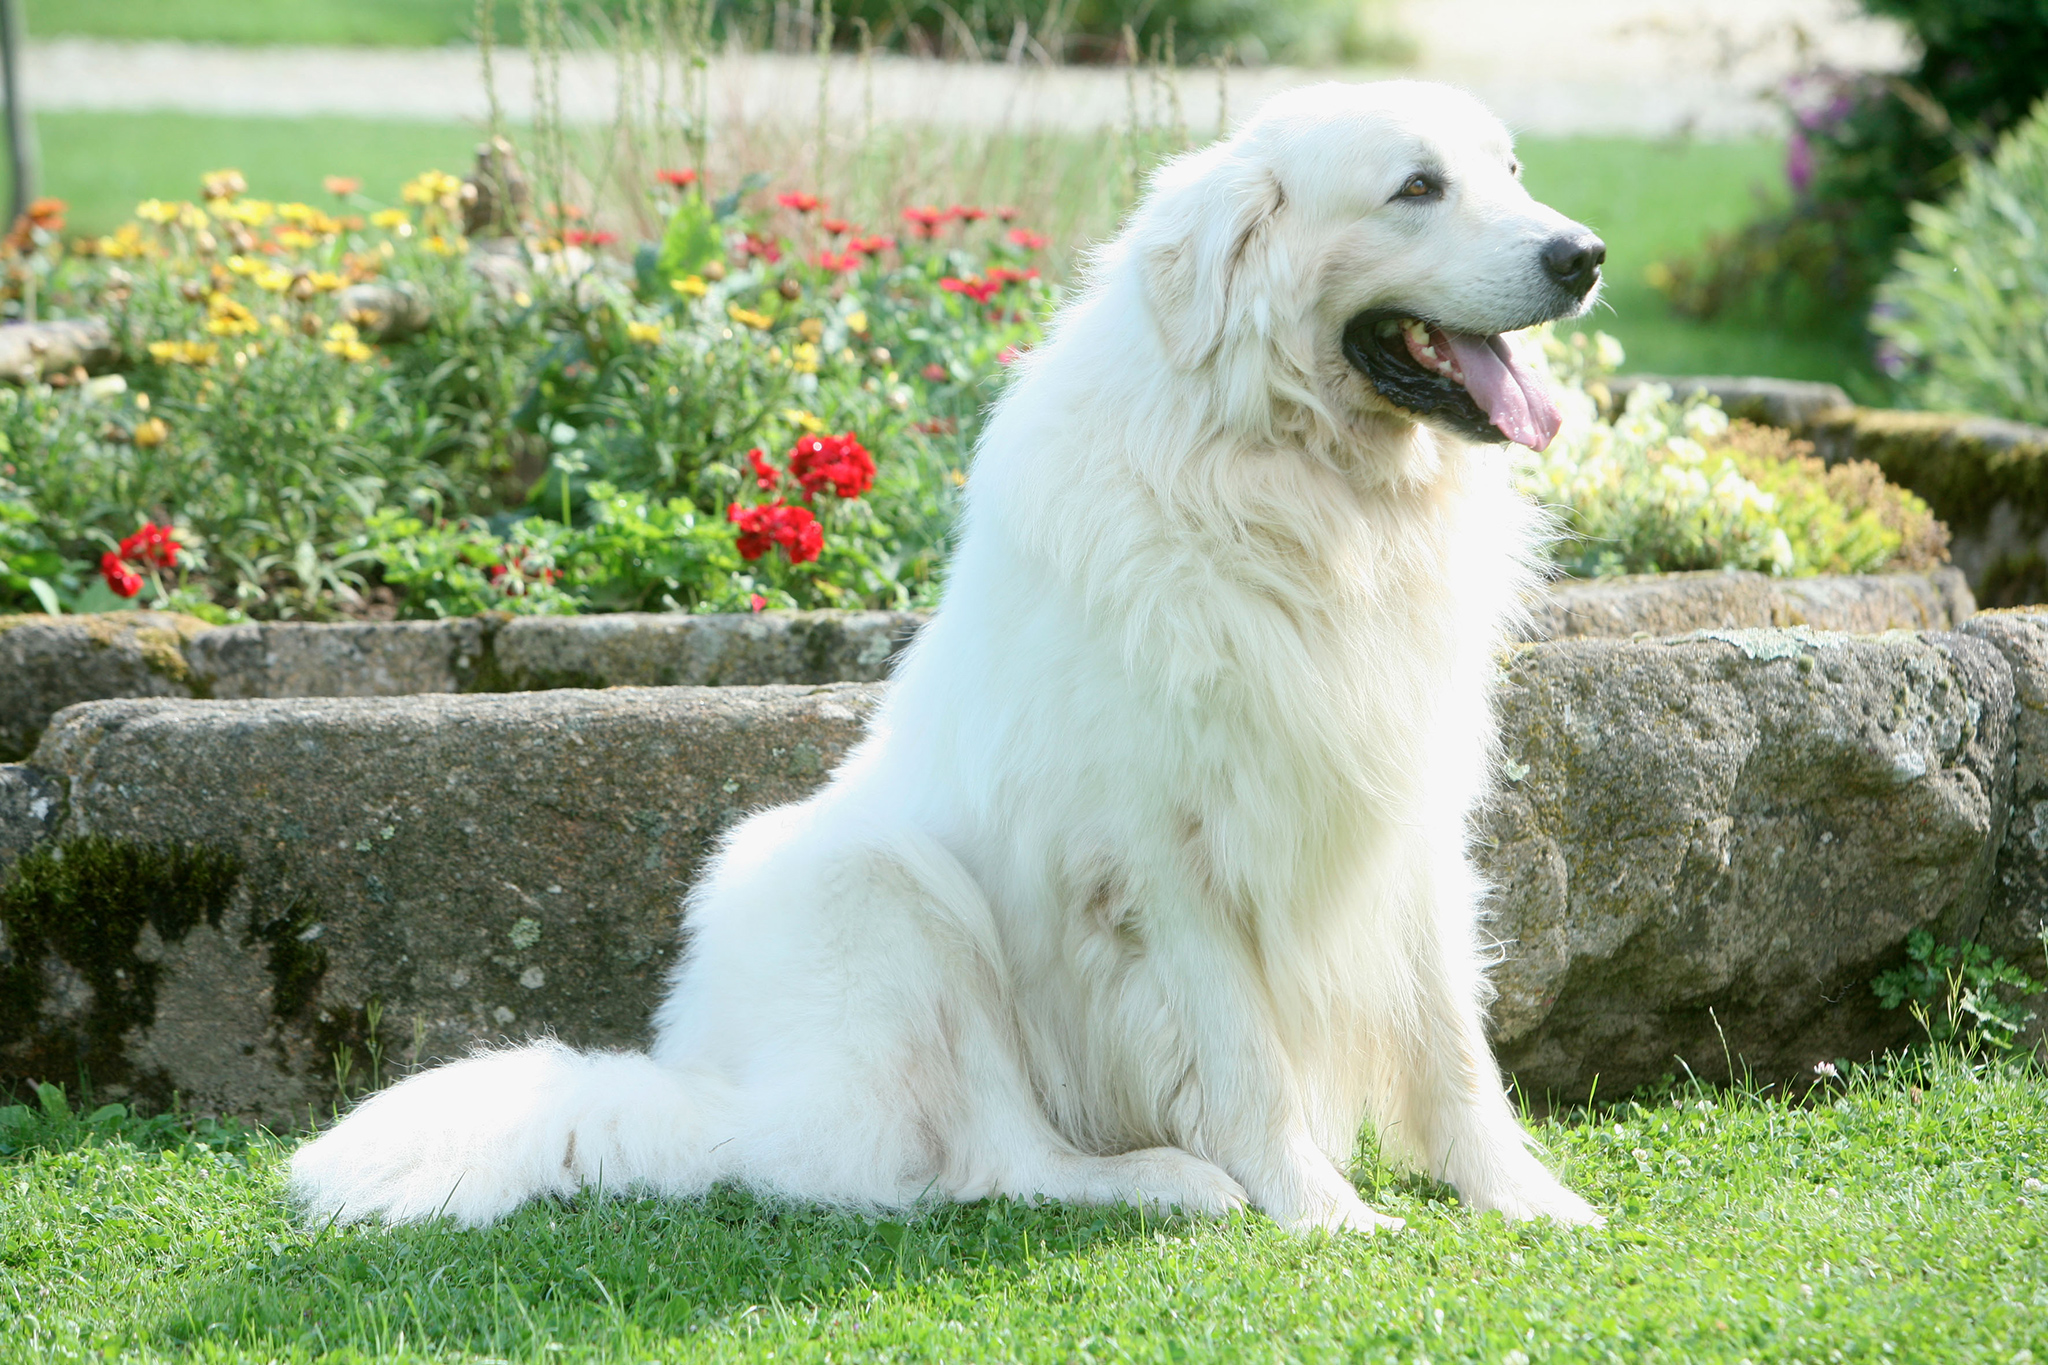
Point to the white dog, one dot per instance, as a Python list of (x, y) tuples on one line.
[(1149, 881)]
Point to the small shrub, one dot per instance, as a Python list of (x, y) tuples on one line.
[(1961, 995), (1965, 315), (1667, 485), (1864, 147)]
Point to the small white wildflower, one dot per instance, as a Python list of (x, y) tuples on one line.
[(1826, 1069), (1515, 1357), (2033, 1186)]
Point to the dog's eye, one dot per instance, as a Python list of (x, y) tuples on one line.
[(1515, 169), (1417, 186)]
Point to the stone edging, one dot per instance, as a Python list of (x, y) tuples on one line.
[(48, 663)]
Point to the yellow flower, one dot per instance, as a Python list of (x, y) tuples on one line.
[(243, 265), (150, 432), (746, 317), (432, 187), (292, 239), (342, 340), (192, 217), (811, 329), (184, 352), (226, 318), (251, 212), (646, 333), (297, 213), (692, 285), (326, 281), (803, 358), (808, 421), (156, 211), (446, 246), (127, 241), (223, 184), (857, 321), (273, 279), (390, 218)]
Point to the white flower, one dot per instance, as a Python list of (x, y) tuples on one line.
[(1826, 1069)]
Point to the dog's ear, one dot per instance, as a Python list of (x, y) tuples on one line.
[(1205, 216)]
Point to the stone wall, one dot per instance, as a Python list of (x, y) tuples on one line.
[(1705, 847), (48, 663)]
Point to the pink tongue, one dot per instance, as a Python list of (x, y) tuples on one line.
[(1515, 400)]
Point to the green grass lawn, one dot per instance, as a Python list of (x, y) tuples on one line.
[(388, 23), (1649, 200), (1876, 1222)]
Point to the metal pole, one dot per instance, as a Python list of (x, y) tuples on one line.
[(21, 144)]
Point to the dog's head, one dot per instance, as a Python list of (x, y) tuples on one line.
[(1375, 241)]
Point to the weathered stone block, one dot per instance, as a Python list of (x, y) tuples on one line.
[(1707, 847), (2020, 911), (673, 650), (460, 868), (1677, 603), (49, 662)]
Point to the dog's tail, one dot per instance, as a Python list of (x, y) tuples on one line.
[(475, 1139)]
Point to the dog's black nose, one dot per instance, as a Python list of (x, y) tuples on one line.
[(1574, 260)]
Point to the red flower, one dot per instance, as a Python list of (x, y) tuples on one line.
[(966, 214), (973, 287), (580, 237), (924, 220), (844, 262), (1002, 274), (936, 373), (1007, 213), (835, 226), (123, 580), (872, 246), (153, 544), (756, 601), (1010, 354), (759, 246), (680, 178), (762, 528), (1028, 239), (765, 473), (802, 203), (839, 462)]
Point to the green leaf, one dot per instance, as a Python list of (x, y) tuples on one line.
[(690, 242)]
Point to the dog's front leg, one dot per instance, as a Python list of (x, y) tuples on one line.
[(1239, 1102), (1445, 1103)]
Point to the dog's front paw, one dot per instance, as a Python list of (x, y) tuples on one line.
[(1534, 1198), (1353, 1216)]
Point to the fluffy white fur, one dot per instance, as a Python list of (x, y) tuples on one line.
[(1150, 880)]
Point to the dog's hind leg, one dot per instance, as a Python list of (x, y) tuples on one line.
[(846, 976)]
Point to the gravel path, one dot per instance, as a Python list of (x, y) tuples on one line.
[(1632, 67)]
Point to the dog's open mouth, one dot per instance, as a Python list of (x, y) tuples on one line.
[(1475, 385)]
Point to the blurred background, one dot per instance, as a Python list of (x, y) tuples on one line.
[(361, 363), (1694, 134)]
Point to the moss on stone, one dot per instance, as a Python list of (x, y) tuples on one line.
[(1963, 466), (87, 903)]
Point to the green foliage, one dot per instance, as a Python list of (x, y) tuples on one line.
[(1667, 485), (1961, 994), (1894, 1208), (1965, 315), (51, 1124), (1864, 148)]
